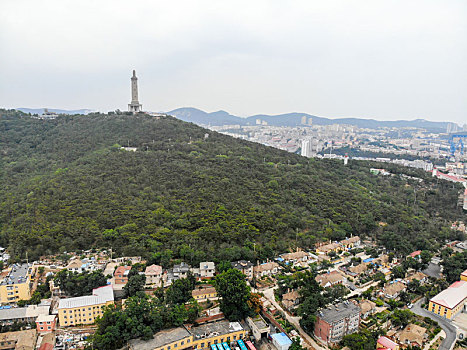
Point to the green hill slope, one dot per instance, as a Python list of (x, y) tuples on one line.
[(66, 184)]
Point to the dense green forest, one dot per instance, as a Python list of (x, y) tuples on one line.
[(194, 194)]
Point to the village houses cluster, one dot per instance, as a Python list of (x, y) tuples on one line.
[(366, 277)]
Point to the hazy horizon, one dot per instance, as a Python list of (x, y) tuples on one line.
[(386, 60)]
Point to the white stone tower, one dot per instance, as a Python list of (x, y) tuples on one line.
[(134, 106)]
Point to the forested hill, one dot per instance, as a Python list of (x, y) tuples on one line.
[(66, 184)]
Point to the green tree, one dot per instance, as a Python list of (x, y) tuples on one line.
[(134, 285), (234, 293)]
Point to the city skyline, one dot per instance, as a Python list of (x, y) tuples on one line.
[(385, 61)]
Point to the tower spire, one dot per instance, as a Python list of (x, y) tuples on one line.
[(134, 106)]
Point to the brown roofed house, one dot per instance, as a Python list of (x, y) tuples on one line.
[(121, 274), (330, 279), (367, 308), (392, 290), (412, 335), (291, 300)]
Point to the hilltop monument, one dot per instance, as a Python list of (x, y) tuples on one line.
[(134, 106)]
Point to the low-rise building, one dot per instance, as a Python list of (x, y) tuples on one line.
[(295, 257), (153, 275), (207, 269), (267, 269), (357, 270), (46, 323), (23, 340), (22, 314), (336, 321), (85, 309), (291, 300), (259, 327), (331, 247), (246, 267), (203, 294), (450, 301), (384, 343), (367, 308), (169, 339), (393, 289), (351, 242), (281, 341), (419, 276), (413, 335), (330, 279), (121, 274), (198, 338)]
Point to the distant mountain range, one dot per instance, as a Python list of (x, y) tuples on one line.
[(200, 117), (58, 111)]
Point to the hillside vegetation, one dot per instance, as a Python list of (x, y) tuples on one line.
[(195, 194)]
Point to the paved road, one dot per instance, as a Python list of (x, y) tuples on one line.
[(269, 294), (446, 325)]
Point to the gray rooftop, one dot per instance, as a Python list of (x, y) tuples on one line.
[(220, 327), (335, 313), (161, 338), (242, 264), (17, 275)]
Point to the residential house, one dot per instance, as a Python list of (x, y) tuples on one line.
[(291, 299), (207, 269), (350, 243), (393, 289), (415, 255), (23, 340), (75, 265), (331, 247), (267, 269), (121, 274), (413, 335), (330, 279), (420, 276), (85, 309), (203, 294), (46, 323), (153, 275), (17, 284), (357, 270), (337, 321), (181, 270), (295, 257), (245, 267), (367, 308), (384, 343)]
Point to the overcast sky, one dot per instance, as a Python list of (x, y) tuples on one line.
[(380, 59)]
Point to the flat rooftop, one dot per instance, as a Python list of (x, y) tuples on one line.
[(337, 312), (17, 275), (99, 295), (220, 327), (259, 322), (161, 338)]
